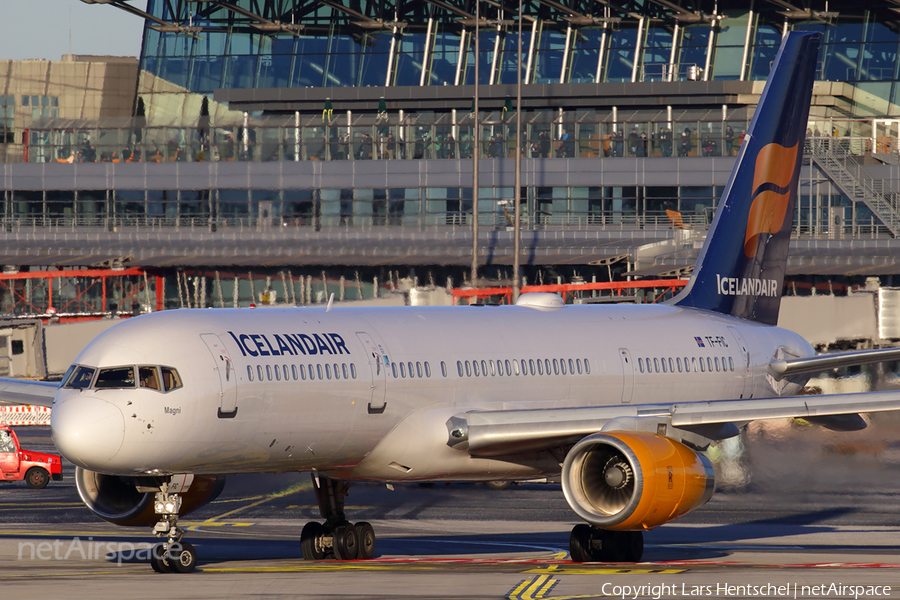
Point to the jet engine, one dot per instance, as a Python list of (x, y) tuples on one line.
[(630, 481), (129, 500)]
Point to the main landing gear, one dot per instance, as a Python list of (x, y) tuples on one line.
[(336, 537), (173, 555), (592, 544)]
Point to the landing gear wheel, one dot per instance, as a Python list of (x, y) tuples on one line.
[(498, 485), (580, 543), (311, 541), (37, 478), (159, 559), (182, 557), (344, 544), (632, 546), (365, 540)]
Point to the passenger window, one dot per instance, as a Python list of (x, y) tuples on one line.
[(284, 370), (403, 370), (468, 369), (319, 372), (484, 368), (249, 372), (555, 367), (493, 370), (500, 368), (303, 372), (587, 367), (149, 378), (524, 367), (344, 369), (508, 370), (678, 363), (277, 373), (694, 363), (293, 372), (562, 365), (730, 364), (427, 369), (702, 366), (572, 366), (578, 364), (709, 364), (312, 373), (259, 372), (118, 377), (444, 369), (418, 369), (531, 366), (540, 367), (641, 365), (665, 369), (671, 366), (269, 372), (717, 364), (655, 366), (337, 372), (475, 367), (353, 370), (458, 368)]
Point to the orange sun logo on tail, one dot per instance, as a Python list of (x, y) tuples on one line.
[(774, 165)]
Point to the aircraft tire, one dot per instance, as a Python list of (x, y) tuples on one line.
[(345, 543), (580, 543), (365, 540), (159, 559), (310, 541), (183, 560)]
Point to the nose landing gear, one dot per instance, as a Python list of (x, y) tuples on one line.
[(173, 555), (336, 537)]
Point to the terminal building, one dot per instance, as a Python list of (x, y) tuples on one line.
[(340, 137)]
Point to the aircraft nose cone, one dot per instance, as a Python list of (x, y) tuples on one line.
[(87, 430)]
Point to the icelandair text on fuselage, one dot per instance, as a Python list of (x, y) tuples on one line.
[(743, 286), (725, 590), (289, 344)]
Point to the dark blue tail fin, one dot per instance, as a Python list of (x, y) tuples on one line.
[(741, 267)]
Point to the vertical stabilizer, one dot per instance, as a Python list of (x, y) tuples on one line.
[(741, 267)]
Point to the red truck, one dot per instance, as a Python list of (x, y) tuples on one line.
[(36, 468)]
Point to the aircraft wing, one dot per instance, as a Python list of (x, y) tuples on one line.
[(823, 362), (24, 391), (497, 433)]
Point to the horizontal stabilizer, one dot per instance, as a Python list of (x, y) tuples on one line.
[(823, 362)]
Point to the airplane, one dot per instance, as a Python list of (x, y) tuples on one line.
[(620, 400)]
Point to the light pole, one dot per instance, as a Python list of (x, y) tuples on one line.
[(476, 151), (518, 180)]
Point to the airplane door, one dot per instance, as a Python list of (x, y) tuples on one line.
[(743, 366), (227, 376), (627, 375), (377, 358)]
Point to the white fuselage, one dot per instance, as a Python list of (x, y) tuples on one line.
[(241, 409)]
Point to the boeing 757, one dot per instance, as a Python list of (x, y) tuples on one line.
[(621, 400)]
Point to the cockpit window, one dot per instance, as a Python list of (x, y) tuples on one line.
[(79, 378), (116, 377), (171, 378), (149, 378)]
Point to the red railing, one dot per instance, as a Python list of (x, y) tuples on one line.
[(570, 291)]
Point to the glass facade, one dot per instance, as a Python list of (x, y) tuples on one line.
[(303, 43)]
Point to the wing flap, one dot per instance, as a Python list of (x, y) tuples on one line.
[(24, 391)]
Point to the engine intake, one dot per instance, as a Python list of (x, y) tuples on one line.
[(127, 501), (634, 480)]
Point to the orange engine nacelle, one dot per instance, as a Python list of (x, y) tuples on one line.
[(129, 500), (634, 480)]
